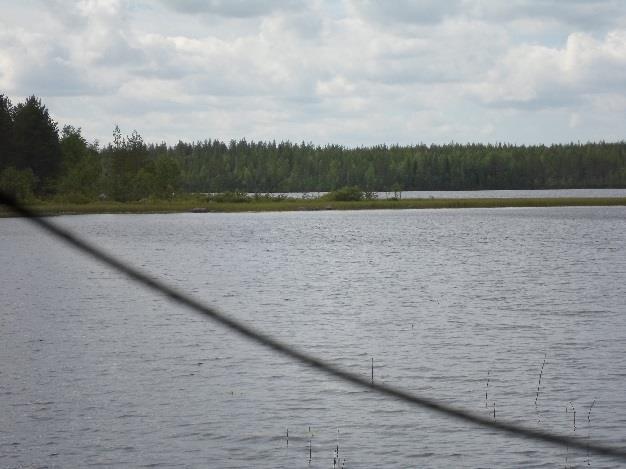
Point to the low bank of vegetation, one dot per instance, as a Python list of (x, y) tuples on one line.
[(240, 202)]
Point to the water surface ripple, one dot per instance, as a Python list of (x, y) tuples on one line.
[(95, 371)]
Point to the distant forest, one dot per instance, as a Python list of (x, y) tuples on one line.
[(39, 160)]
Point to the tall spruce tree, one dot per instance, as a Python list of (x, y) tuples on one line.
[(37, 142), (7, 150)]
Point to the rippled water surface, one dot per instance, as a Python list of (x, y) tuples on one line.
[(95, 371)]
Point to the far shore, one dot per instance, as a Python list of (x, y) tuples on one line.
[(195, 205)]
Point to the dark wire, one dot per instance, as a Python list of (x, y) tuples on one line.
[(288, 350)]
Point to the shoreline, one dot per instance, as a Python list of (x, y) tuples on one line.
[(294, 205)]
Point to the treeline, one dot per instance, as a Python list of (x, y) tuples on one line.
[(36, 159), (213, 166)]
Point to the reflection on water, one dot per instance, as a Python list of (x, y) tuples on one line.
[(96, 371)]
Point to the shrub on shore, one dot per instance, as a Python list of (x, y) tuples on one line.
[(229, 197), (345, 194)]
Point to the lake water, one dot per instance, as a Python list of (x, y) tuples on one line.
[(486, 194), (96, 371)]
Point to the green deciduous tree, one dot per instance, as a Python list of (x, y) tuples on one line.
[(81, 170), (166, 177), (123, 161), (20, 183)]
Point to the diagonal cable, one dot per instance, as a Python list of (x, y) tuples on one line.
[(290, 351)]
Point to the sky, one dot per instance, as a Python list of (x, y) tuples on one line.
[(350, 72)]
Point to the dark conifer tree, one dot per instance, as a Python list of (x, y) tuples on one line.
[(37, 142), (6, 132)]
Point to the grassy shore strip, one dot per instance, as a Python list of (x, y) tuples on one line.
[(188, 205)]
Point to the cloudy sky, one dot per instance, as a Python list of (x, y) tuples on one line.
[(354, 72)]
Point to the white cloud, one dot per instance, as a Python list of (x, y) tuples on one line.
[(404, 11), (337, 86), (584, 15), (575, 120), (232, 8), (544, 76), (355, 72)]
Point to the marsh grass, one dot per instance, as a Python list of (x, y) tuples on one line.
[(261, 204), (487, 389), (589, 429)]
